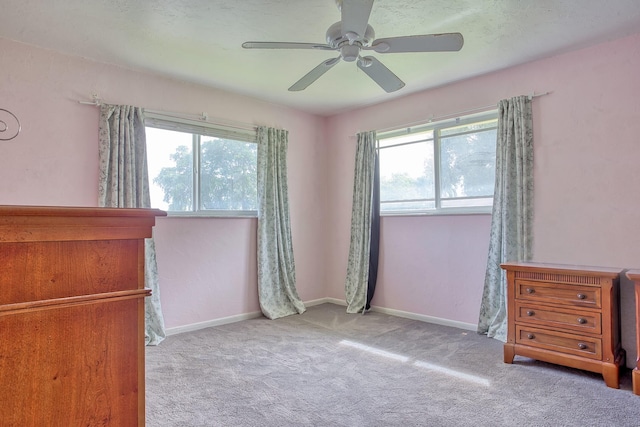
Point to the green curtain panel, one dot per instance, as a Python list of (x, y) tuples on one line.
[(511, 225), (276, 267), (124, 183), (361, 213)]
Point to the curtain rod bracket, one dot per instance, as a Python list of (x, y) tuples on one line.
[(535, 95), (96, 101)]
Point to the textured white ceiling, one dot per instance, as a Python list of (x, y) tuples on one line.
[(200, 40)]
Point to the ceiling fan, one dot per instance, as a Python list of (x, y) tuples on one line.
[(352, 34)]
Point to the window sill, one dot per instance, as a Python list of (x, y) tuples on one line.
[(442, 212), (221, 214)]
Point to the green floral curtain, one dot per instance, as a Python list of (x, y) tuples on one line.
[(276, 267), (512, 220), (124, 183), (361, 213)]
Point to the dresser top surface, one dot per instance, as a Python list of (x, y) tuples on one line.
[(563, 268), (77, 211), (21, 224), (634, 275)]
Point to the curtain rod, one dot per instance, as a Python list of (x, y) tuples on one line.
[(203, 117), (454, 115)]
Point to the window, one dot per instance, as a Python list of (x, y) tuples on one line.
[(198, 169), (440, 167)]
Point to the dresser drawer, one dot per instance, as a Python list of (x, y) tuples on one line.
[(575, 344), (584, 296), (576, 320), (35, 271)]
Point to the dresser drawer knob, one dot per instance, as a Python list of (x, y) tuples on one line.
[(582, 346), (581, 296), (530, 312), (531, 336), (582, 320), (531, 291)]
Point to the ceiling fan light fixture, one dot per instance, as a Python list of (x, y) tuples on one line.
[(350, 52)]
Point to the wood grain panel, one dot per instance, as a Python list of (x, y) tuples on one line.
[(72, 315), (33, 271), (47, 383)]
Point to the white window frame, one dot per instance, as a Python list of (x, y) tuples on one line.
[(436, 127), (198, 129)]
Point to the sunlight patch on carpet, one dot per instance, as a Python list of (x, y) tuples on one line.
[(376, 351), (453, 373), (418, 363)]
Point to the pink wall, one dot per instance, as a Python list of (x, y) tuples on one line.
[(207, 266), (587, 211), (431, 266), (586, 147), (221, 261)]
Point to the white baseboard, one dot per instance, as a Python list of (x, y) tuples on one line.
[(256, 314), (237, 318), (214, 322), (400, 313), (427, 319), (325, 301)]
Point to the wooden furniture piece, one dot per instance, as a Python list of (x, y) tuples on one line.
[(72, 315), (565, 314), (634, 275)]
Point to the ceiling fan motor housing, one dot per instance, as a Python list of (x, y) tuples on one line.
[(350, 44)]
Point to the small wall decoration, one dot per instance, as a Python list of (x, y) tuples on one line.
[(9, 125)]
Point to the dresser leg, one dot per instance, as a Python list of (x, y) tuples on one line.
[(635, 377), (611, 375), (509, 353)]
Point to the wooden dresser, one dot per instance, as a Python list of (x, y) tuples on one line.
[(565, 314), (634, 275), (72, 315)]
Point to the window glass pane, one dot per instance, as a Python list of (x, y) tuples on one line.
[(407, 172), (488, 124), (170, 162), (228, 174), (467, 165), (465, 151), (421, 205), (402, 139)]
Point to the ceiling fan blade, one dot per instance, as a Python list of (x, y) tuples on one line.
[(449, 42), (314, 74), (355, 17), (380, 74), (285, 45)]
